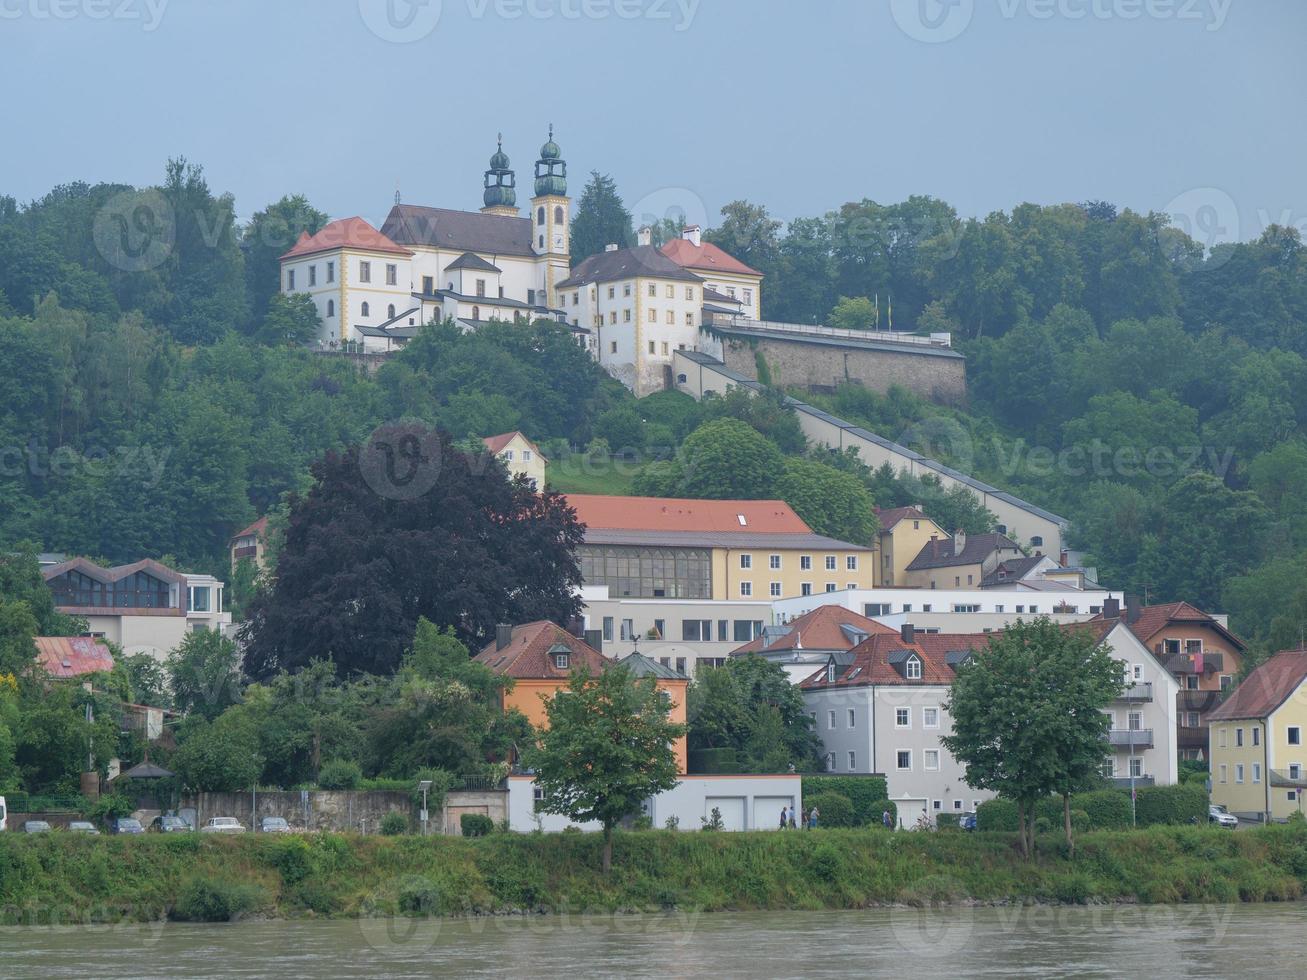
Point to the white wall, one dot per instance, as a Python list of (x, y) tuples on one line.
[(1009, 602)]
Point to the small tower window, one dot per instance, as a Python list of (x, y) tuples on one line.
[(366, 310), (542, 241), (331, 307), (476, 313), (558, 215), (390, 312), (540, 215)]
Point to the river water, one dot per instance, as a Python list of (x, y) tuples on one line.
[(1153, 942)]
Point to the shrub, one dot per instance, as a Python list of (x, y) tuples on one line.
[(713, 821), (866, 793), (833, 809), (1170, 804), (1043, 825), (947, 821), (826, 862), (214, 900), (1079, 821), (293, 858), (475, 824), (1107, 809), (997, 814), (714, 761), (672, 823), (339, 774), (394, 823)]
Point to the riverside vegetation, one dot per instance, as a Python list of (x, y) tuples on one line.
[(55, 878)]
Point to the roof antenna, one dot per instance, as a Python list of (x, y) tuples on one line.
[(397, 192)]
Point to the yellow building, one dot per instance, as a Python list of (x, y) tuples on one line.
[(520, 455), (904, 532), (671, 548), (1256, 745), (958, 561), (251, 543)]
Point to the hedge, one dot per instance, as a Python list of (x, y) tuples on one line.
[(866, 793), (714, 762), (1107, 809), (833, 809), (947, 821), (475, 824), (997, 815)]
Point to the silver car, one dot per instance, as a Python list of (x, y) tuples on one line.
[(223, 825), (35, 827), (274, 825), (1219, 815), (83, 827)]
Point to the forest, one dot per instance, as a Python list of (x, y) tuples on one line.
[(1121, 374)]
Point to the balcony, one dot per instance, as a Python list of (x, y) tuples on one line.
[(1123, 782), (1191, 738), (1142, 691), (1200, 701), (1184, 663), (1131, 738), (249, 552)]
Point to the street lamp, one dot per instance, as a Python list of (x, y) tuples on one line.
[(424, 785)]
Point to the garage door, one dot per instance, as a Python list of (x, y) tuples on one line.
[(909, 812), (732, 811), (767, 811)]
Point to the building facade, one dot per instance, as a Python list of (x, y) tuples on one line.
[(520, 456)]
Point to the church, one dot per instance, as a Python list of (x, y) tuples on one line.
[(632, 308)]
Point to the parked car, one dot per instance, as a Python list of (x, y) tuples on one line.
[(4, 814), (1219, 815), (223, 825), (83, 827), (35, 827), (274, 825), (169, 824), (127, 825), (968, 821)]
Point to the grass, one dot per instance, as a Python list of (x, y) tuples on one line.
[(578, 474), (61, 878)]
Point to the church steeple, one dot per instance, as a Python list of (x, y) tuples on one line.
[(551, 169), (500, 194)]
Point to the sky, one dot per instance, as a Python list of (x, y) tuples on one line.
[(1190, 107)]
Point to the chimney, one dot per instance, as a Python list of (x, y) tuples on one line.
[(595, 639), (503, 635), (693, 234), (959, 541), (1112, 608), (1133, 610), (908, 633), (612, 247), (645, 235)]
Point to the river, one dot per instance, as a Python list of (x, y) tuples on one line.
[(1043, 941)]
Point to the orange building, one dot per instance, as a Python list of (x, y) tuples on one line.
[(540, 658)]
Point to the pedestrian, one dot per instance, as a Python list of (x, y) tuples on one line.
[(812, 818), (792, 826), (803, 820), (887, 821), (785, 820)]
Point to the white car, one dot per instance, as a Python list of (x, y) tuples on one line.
[(222, 825), (1222, 817)]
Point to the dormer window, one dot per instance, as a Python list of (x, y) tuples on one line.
[(830, 673), (913, 669), (562, 660)]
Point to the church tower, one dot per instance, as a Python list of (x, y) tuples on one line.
[(551, 216), (500, 195)]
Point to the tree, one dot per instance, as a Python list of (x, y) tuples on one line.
[(830, 502), (601, 219), (147, 679), (267, 236), (607, 749), (1028, 715), (205, 674), (289, 319), (853, 313), (17, 629), (728, 459), (405, 527), (750, 234), (217, 757)]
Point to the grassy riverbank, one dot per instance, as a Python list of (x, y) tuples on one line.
[(60, 878)]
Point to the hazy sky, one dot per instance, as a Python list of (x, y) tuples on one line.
[(1190, 106)]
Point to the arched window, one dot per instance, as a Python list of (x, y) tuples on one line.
[(540, 215), (390, 312), (366, 311), (558, 215), (476, 313), (542, 241), (331, 307), (1037, 541)]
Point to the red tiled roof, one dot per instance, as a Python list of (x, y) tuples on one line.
[(819, 629), (888, 518), (707, 257), (72, 656), (1153, 619), (259, 528), (675, 514), (1266, 688), (870, 663), (497, 443), (345, 233), (527, 657)]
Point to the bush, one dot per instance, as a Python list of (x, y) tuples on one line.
[(1043, 825), (475, 824), (214, 900), (340, 774), (394, 823), (714, 761), (997, 814), (713, 821), (866, 793), (1107, 809), (1170, 804), (947, 821), (1079, 821), (833, 810), (878, 808)]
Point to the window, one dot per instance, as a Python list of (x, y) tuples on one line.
[(390, 311), (290, 279), (561, 660), (313, 275), (830, 563), (1238, 737), (1294, 735), (1295, 770), (392, 274), (628, 630), (626, 289), (830, 716), (526, 455), (1224, 772), (957, 804), (331, 307), (660, 628), (608, 629), (1191, 682), (671, 291), (653, 290), (559, 217), (476, 315), (612, 348), (1192, 720), (914, 669), (1226, 681), (1135, 721), (851, 563), (873, 609), (1108, 769), (805, 588), (723, 627), (1136, 767), (197, 599), (903, 718), (653, 315), (830, 679), (612, 292), (689, 319), (696, 629), (748, 297), (903, 760), (930, 760), (774, 561), (929, 717), (730, 291), (653, 346), (671, 318), (331, 272), (805, 563), (665, 350), (774, 590), (576, 299), (1238, 772), (853, 718), (853, 761), (1257, 736), (1137, 672), (1037, 541), (365, 272), (830, 587), (746, 561), (1257, 772), (746, 589), (365, 310), (1220, 737)]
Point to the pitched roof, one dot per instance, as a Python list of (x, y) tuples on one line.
[(345, 233), (940, 552), (528, 654), (828, 627), (497, 443), (711, 295), (470, 260), (888, 518), (102, 574), (678, 514), (464, 231), (1153, 619), (1011, 569), (259, 528), (878, 659), (707, 256), (72, 656), (626, 263), (641, 666), (1266, 688)]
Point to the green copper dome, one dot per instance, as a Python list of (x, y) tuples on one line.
[(551, 170), (500, 183)]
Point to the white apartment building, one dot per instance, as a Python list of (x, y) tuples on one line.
[(999, 605)]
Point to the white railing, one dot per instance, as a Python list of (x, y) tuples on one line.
[(885, 336)]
